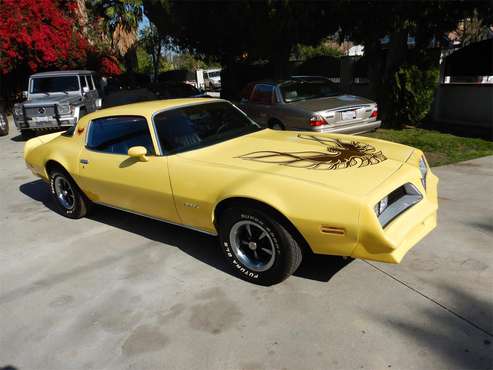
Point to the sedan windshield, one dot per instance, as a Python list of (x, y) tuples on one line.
[(201, 125), (54, 84), (292, 91)]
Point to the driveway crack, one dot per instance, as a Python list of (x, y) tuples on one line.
[(459, 316)]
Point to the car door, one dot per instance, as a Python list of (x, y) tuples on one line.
[(109, 176), (260, 103)]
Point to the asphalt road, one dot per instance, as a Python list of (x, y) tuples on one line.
[(118, 291)]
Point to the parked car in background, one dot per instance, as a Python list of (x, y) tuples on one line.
[(308, 103), (269, 195), (175, 90), (128, 96), (4, 123), (56, 100), (213, 79)]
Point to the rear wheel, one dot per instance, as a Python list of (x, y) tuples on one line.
[(276, 125), (258, 247), (4, 124), (68, 198)]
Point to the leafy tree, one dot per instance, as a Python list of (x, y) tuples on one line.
[(303, 52), (120, 21), (240, 32), (153, 43), (369, 23)]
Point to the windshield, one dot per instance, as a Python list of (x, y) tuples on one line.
[(201, 125), (214, 74), (54, 84), (302, 90)]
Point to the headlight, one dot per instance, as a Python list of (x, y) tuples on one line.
[(64, 109), (18, 110), (380, 206), (423, 168)]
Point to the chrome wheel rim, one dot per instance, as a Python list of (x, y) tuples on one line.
[(64, 193), (3, 122), (252, 245)]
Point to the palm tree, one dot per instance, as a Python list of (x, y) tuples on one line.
[(121, 21)]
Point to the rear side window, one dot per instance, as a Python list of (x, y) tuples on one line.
[(83, 82), (263, 94), (247, 92), (116, 135), (91, 83)]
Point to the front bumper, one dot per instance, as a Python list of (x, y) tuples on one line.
[(391, 243), (351, 128), (51, 123)]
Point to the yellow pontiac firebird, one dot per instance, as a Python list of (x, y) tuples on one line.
[(269, 195)]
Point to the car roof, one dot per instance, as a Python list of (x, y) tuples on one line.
[(63, 73), (148, 108)]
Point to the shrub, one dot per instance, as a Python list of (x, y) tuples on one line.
[(412, 94)]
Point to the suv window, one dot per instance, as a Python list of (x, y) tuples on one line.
[(263, 94), (117, 135), (54, 84), (91, 83), (83, 82)]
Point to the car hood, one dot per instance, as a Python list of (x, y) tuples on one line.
[(50, 100), (352, 164), (333, 102)]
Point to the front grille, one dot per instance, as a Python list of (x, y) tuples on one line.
[(399, 201), (35, 111)]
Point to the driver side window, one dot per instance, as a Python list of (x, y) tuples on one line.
[(116, 135)]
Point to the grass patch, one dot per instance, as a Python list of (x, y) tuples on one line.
[(438, 147)]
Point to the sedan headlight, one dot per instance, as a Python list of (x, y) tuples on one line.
[(381, 206), (18, 110), (423, 168), (64, 109)]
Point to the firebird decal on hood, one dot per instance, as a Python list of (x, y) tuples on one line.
[(339, 155)]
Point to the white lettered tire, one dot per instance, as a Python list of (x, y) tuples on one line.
[(257, 245), (68, 198)]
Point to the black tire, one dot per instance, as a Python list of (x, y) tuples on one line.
[(276, 267), (4, 124), (276, 125), (27, 134), (76, 205)]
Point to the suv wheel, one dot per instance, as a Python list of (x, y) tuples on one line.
[(69, 199), (4, 124), (258, 247)]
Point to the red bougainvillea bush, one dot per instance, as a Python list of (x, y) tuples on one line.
[(40, 34)]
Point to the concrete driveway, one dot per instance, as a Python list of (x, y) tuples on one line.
[(117, 291)]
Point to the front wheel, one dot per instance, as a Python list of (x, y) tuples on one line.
[(258, 247), (68, 198)]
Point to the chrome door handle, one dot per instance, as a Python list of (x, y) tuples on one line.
[(84, 161)]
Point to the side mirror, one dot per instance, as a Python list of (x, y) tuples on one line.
[(24, 94), (85, 89), (138, 152)]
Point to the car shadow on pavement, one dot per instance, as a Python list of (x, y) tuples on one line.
[(18, 138), (203, 247)]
